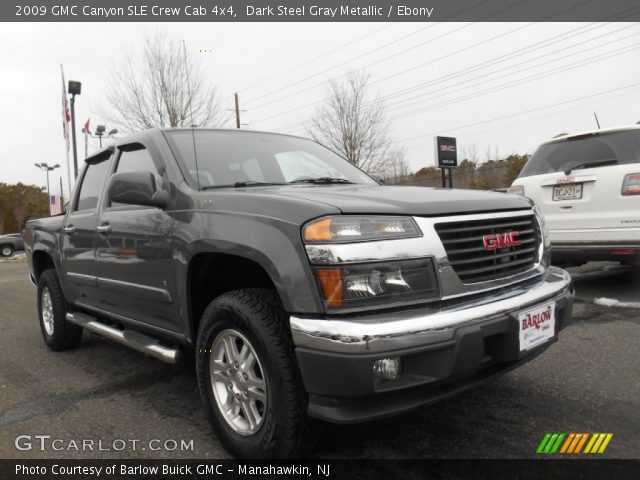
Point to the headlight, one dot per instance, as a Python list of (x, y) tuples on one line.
[(368, 284), (347, 228)]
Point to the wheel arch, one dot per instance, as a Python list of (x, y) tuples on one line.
[(41, 261), (211, 274)]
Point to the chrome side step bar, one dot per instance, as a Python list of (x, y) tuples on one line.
[(130, 338)]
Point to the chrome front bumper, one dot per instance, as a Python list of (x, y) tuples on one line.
[(386, 332)]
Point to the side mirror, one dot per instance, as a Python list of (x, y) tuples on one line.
[(137, 188), (378, 178)]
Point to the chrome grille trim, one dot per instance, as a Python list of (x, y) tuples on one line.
[(473, 263), (451, 286)]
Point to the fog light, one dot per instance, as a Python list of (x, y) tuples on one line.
[(386, 369)]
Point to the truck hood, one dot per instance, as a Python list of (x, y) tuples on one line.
[(376, 199)]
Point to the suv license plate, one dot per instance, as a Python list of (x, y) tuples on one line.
[(567, 192), (537, 325)]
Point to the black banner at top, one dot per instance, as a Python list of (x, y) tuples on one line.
[(319, 11)]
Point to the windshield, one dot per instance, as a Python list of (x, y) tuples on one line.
[(586, 151), (233, 158)]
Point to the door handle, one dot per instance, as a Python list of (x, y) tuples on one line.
[(104, 229), (69, 229)]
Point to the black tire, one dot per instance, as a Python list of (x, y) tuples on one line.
[(6, 250), (65, 335), (257, 314)]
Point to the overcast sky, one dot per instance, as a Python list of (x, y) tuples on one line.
[(504, 87)]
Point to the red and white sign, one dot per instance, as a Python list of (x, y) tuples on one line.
[(537, 325)]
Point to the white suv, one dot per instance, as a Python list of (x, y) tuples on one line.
[(587, 186)]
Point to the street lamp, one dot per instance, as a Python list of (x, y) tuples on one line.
[(100, 129), (74, 89), (45, 167)]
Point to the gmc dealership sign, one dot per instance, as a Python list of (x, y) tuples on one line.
[(446, 152)]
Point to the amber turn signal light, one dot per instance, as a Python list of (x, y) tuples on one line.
[(319, 231), (330, 280)]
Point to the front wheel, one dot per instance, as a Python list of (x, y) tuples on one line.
[(248, 376), (6, 250)]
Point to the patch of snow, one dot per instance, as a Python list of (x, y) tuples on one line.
[(17, 257), (612, 302)]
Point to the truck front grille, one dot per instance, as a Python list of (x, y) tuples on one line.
[(482, 250)]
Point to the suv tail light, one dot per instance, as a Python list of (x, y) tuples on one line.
[(631, 184)]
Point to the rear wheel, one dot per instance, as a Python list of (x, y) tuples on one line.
[(6, 250), (248, 376), (58, 333)]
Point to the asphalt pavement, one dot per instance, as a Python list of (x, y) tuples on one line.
[(110, 395)]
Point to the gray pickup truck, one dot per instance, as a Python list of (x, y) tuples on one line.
[(307, 289), (10, 243)]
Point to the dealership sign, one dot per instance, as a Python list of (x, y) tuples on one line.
[(446, 151)]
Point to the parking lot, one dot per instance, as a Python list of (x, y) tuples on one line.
[(587, 382)]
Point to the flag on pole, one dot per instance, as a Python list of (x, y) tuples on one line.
[(66, 118), (66, 114), (55, 205), (87, 131)]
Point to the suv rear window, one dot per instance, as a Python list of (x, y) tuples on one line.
[(584, 151)]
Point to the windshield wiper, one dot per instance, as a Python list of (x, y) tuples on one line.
[(246, 183), (322, 180), (595, 163), (253, 183)]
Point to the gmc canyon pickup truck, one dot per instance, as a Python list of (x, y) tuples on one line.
[(307, 289)]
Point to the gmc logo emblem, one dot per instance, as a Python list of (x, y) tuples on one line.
[(562, 181), (501, 240)]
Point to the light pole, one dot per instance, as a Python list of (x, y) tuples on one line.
[(100, 129), (45, 167), (74, 89)]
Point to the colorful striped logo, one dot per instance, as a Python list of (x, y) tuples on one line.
[(574, 443)]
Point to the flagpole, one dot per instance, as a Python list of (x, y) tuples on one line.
[(67, 149), (69, 175)]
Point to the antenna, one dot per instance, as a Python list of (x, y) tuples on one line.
[(597, 121), (193, 131)]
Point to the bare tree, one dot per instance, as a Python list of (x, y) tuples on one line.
[(161, 86), (395, 165), (489, 155), (470, 152), (357, 127)]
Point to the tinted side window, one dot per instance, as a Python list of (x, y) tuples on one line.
[(92, 184)]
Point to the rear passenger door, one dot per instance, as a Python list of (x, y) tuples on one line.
[(79, 232), (134, 250)]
